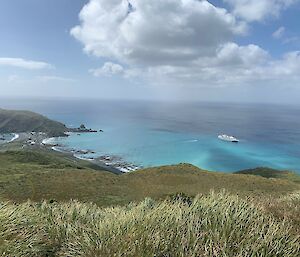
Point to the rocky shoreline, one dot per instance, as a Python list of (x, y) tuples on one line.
[(116, 163), (112, 161), (36, 140)]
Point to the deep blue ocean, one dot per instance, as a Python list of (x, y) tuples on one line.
[(157, 133)]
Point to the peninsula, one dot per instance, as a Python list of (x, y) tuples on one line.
[(15, 121)]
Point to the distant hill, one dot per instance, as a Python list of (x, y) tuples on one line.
[(263, 172), (271, 173), (24, 121)]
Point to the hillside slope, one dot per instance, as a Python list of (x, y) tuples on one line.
[(271, 173), (24, 121), (41, 175)]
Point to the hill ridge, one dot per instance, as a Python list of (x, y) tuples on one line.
[(17, 121)]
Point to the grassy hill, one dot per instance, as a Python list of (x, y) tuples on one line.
[(212, 225), (43, 175), (25, 121), (271, 173), (53, 205)]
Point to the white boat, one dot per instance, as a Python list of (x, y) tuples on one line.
[(228, 138)]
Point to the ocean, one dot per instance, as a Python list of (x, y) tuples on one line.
[(149, 134)]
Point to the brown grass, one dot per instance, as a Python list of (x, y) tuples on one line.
[(212, 225), (43, 176)]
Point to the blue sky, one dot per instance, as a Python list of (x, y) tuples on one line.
[(222, 50)]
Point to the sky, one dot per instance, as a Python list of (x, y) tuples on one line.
[(197, 50)]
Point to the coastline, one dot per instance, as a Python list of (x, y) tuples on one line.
[(111, 162), (41, 141), (16, 136), (5, 138)]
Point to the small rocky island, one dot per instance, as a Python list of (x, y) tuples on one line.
[(82, 129)]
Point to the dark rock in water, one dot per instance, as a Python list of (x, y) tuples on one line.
[(84, 152), (101, 130), (82, 129), (52, 145), (2, 138)]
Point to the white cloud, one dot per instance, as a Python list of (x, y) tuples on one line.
[(259, 10), (231, 65), (154, 32), (287, 67), (278, 34), (108, 69), (180, 42), (25, 64)]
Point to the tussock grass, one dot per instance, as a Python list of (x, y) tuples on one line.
[(285, 208), (218, 224)]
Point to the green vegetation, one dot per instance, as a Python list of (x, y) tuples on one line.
[(54, 205), (271, 173), (44, 176), (212, 225), (25, 121)]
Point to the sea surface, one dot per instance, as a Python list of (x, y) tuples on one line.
[(160, 133)]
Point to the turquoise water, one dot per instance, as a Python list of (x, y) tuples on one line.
[(152, 133), (146, 147)]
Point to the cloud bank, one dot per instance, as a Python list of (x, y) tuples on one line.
[(182, 41), (154, 32)]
